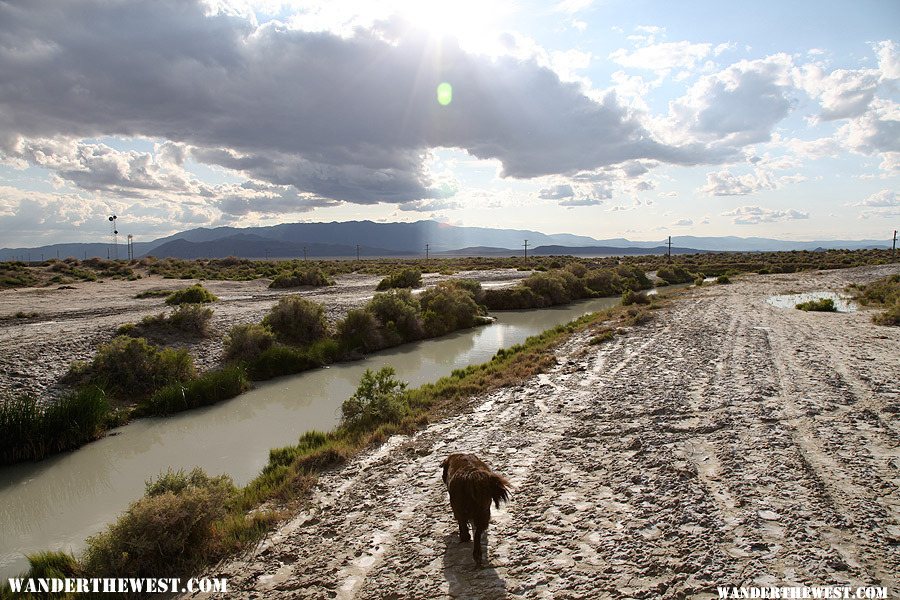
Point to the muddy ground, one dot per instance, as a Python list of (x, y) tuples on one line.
[(726, 442), (60, 326)]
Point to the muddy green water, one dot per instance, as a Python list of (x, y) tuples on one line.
[(57, 503)]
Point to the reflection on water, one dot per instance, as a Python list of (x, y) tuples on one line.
[(842, 303), (59, 502)]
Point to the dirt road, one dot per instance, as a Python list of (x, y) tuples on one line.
[(65, 325), (727, 442)]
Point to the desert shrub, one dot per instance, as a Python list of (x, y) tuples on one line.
[(359, 330), (603, 282), (553, 287), (29, 431), (517, 297), (405, 278), (891, 316), (129, 367), (723, 279), (446, 308), (634, 277), (209, 388), (577, 269), (472, 286), (820, 305), (153, 294), (191, 319), (195, 294), (300, 277), (675, 274), (296, 320), (278, 361), (169, 530), (247, 341), (380, 398), (631, 297), (397, 312)]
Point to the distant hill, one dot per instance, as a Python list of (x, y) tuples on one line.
[(404, 239), (254, 246)]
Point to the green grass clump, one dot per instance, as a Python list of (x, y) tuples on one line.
[(209, 388), (820, 305), (302, 277), (405, 278), (195, 294), (29, 431), (723, 280), (296, 320), (130, 368)]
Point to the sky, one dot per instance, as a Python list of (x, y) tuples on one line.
[(603, 118)]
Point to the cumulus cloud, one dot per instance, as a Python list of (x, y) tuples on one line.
[(754, 215), (556, 192), (683, 223), (735, 107), (882, 199), (662, 56), (724, 183)]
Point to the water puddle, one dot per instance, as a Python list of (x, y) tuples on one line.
[(842, 303)]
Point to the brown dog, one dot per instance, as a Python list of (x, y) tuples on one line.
[(473, 486)]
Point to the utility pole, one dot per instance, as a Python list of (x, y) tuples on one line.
[(669, 252), (304, 253), (526, 251), (894, 245), (357, 252), (115, 237), (426, 249), (130, 247)]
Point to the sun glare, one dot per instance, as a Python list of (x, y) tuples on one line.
[(465, 20)]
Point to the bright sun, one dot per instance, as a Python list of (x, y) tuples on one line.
[(463, 19)]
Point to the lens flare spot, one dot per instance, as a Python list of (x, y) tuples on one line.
[(444, 93)]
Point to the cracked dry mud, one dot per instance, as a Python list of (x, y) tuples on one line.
[(725, 442)]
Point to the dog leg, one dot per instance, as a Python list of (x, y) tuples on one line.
[(464, 531), (480, 525)]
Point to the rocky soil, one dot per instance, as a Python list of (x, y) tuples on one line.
[(727, 442), (59, 326)]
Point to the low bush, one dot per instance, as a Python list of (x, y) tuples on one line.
[(29, 431), (153, 294), (359, 331), (130, 367), (189, 319), (209, 388), (883, 293), (380, 398), (169, 530), (446, 308), (891, 316), (604, 282), (296, 320), (195, 294), (278, 361), (405, 278), (397, 312), (723, 280), (630, 297), (247, 341), (302, 277), (675, 274), (820, 305)]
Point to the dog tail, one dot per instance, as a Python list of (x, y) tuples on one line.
[(500, 487)]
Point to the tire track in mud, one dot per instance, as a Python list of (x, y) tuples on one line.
[(725, 443)]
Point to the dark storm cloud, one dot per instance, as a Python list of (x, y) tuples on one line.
[(346, 119)]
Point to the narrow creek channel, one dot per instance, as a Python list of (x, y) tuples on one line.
[(57, 503)]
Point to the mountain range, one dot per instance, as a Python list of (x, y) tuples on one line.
[(370, 239)]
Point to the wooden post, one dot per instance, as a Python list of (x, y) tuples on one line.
[(526, 252)]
